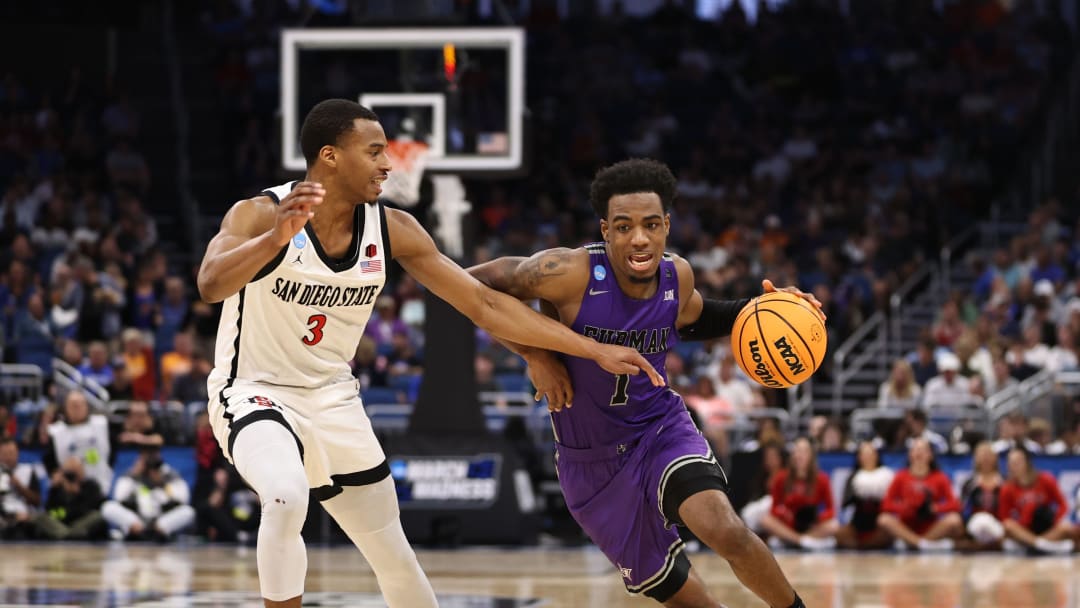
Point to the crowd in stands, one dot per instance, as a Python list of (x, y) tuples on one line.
[(811, 148), (1021, 317)]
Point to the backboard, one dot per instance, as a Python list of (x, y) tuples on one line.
[(460, 90)]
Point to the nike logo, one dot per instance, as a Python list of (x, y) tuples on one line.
[(593, 292)]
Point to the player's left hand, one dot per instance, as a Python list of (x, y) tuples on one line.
[(624, 360), (768, 287), (548, 374)]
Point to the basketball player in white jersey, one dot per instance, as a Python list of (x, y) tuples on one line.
[(299, 268)]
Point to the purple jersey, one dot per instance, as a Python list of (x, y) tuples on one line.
[(609, 409)]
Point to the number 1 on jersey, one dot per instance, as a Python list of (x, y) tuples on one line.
[(622, 381), (315, 326)]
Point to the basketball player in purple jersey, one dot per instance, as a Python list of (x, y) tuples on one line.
[(630, 461)]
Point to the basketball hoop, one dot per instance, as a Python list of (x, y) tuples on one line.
[(409, 158)]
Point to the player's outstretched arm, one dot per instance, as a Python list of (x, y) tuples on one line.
[(252, 233), (497, 313)]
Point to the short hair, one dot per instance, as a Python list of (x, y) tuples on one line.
[(629, 177), (918, 415), (4, 440), (325, 123)]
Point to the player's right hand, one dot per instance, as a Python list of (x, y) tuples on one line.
[(294, 211), (548, 374), (625, 360)]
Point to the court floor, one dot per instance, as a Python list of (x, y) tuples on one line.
[(151, 576)]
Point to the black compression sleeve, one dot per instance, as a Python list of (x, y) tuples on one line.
[(716, 320)]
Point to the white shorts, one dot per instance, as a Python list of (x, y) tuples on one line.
[(332, 431)]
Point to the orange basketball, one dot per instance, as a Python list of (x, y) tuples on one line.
[(779, 340)]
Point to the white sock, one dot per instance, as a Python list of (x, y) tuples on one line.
[(1054, 546), (817, 544), (266, 456), (1011, 546), (369, 516), (944, 544)]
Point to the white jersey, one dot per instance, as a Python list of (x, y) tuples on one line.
[(299, 320)]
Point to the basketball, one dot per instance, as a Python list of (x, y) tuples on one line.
[(779, 340)]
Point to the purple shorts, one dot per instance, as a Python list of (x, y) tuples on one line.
[(626, 497)]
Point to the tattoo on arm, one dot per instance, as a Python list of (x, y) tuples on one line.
[(534, 270)]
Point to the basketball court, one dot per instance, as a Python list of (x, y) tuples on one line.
[(176, 576)]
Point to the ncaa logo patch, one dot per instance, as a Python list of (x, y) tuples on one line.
[(299, 240), (599, 272)]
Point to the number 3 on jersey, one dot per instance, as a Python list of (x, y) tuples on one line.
[(621, 396), (315, 326)]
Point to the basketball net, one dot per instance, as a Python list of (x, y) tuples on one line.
[(409, 158)]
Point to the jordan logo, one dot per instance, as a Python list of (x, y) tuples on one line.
[(299, 258)]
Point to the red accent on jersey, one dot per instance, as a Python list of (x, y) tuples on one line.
[(371, 250)]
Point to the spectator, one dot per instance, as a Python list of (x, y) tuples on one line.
[(368, 366), (127, 168), (949, 389), (924, 364), (230, 511), (980, 496), (176, 363), (773, 460), (1002, 376), (1063, 355), (8, 425), (714, 412), (151, 501), (735, 390), (486, 382), (1031, 352), (802, 511), (768, 431), (863, 493), (140, 430), (37, 436), (1012, 432), (900, 390), (98, 368), (99, 301), (34, 335), (403, 360), (920, 509), (950, 325), (138, 365), (1033, 509), (73, 509), (171, 313), (385, 324), (72, 354), (84, 436), (916, 426), (191, 386), (20, 493)]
